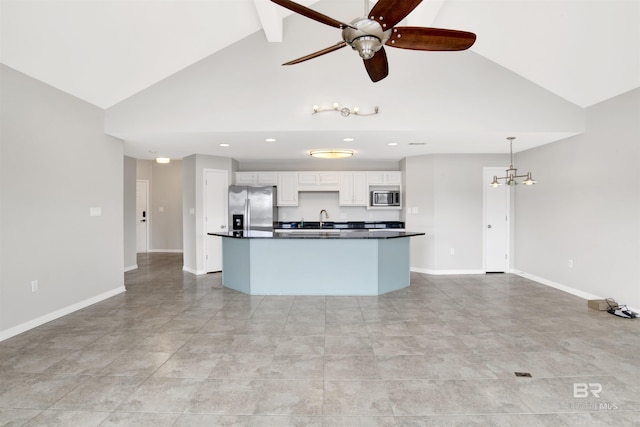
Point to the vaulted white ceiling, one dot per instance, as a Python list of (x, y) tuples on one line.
[(180, 77)]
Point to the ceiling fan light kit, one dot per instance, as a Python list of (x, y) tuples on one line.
[(331, 154), (512, 173), (368, 35), (345, 111)]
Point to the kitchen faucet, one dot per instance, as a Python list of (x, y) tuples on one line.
[(326, 217)]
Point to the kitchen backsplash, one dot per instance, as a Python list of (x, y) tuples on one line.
[(310, 203)]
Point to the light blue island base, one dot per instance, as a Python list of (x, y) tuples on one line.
[(315, 266)]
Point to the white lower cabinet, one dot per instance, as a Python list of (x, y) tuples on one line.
[(287, 189), (353, 189)]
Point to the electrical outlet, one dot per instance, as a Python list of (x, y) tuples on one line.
[(570, 263), (34, 285), (452, 251)]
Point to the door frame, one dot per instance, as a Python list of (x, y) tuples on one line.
[(146, 223), (205, 171), (487, 174)]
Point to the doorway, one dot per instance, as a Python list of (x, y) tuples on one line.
[(496, 223), (216, 189), (142, 216)]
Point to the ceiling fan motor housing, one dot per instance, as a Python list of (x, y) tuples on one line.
[(367, 37)]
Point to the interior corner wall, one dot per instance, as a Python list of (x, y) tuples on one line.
[(193, 206), (444, 199), (62, 204), (129, 213), (585, 209)]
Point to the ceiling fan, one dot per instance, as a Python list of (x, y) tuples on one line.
[(367, 35)]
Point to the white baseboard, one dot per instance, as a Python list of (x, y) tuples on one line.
[(170, 251), (192, 271), (445, 272), (131, 267), (561, 287), (8, 333), (550, 283)]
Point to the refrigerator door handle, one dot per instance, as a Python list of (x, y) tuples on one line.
[(247, 214)]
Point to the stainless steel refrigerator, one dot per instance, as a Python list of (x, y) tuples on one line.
[(252, 208)]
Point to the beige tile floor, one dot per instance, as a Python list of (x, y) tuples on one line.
[(181, 350)]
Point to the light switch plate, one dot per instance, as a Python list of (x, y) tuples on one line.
[(95, 211)]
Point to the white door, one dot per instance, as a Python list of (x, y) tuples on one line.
[(142, 216), (496, 223), (216, 185)]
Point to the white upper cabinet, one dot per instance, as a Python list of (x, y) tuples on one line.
[(256, 178), (318, 181), (384, 178), (353, 189), (287, 194)]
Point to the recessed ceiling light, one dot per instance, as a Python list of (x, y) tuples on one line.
[(348, 139), (270, 140), (224, 145), (392, 144)]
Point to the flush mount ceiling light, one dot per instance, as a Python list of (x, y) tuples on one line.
[(270, 140), (512, 173), (224, 145), (348, 139), (163, 160), (331, 154), (344, 111)]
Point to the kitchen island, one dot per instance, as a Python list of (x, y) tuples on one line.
[(322, 262)]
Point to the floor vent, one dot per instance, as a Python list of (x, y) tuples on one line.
[(523, 374)]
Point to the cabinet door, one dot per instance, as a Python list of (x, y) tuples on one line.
[(394, 178), (328, 178), (360, 193), (345, 193), (288, 189), (375, 178), (267, 178), (245, 178), (307, 178)]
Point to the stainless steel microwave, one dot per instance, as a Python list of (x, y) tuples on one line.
[(385, 198)]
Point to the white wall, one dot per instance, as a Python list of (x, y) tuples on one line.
[(586, 206), (57, 163), (193, 201), (165, 211), (165, 204), (445, 193)]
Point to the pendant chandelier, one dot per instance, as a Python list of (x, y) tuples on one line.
[(512, 173)]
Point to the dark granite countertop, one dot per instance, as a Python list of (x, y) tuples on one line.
[(336, 234), (341, 225)]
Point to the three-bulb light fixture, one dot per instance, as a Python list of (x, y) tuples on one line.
[(512, 173), (345, 111)]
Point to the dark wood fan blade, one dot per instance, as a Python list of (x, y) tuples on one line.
[(316, 54), (423, 38), (377, 67), (311, 14), (389, 12)]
